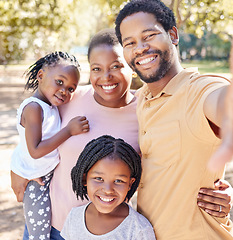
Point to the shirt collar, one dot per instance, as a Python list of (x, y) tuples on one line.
[(173, 84)]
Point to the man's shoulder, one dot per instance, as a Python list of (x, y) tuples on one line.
[(209, 77)]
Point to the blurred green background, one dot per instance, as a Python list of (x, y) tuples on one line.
[(30, 29)]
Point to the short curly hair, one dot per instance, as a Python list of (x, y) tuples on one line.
[(104, 37), (162, 13), (98, 149)]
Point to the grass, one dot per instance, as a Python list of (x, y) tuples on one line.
[(218, 67)]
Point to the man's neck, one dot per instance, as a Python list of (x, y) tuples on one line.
[(158, 86)]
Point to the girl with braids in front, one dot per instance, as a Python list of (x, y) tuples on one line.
[(53, 80), (107, 172)]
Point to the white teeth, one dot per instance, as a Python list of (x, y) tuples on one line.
[(147, 60), (106, 199), (109, 87)]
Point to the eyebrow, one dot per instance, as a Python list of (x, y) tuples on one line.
[(144, 31), (62, 76)]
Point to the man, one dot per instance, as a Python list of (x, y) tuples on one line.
[(180, 114)]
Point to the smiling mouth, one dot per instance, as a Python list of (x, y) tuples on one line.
[(145, 61), (106, 199), (109, 87), (61, 99)]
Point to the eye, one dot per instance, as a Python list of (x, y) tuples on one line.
[(116, 66), (59, 82), (148, 37), (128, 44), (119, 181), (99, 179), (95, 69), (71, 90)]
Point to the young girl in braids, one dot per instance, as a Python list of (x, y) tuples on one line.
[(53, 79), (107, 172)]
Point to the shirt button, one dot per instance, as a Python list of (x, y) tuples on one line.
[(143, 132), (147, 105)]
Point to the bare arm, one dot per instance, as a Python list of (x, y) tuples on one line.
[(214, 106), (224, 153), (32, 118)]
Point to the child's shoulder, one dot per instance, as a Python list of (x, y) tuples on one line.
[(78, 210), (138, 218), (139, 226)]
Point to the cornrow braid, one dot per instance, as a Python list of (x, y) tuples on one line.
[(96, 150), (51, 59)]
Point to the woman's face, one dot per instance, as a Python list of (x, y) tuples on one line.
[(110, 75)]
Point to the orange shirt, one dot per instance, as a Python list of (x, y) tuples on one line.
[(176, 142)]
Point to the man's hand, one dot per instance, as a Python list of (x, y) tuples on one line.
[(216, 202)]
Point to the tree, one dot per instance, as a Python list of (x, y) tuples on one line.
[(197, 16), (27, 23)]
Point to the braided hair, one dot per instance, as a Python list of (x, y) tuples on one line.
[(51, 59), (96, 150)]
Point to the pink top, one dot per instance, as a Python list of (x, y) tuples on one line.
[(118, 122)]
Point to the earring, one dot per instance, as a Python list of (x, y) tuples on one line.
[(134, 75)]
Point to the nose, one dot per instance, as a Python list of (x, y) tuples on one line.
[(107, 75), (108, 188), (141, 48), (63, 91)]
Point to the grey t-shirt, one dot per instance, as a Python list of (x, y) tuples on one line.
[(134, 227)]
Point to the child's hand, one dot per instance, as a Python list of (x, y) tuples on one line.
[(78, 125), (39, 181)]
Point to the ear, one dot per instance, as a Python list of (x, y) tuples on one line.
[(84, 182), (174, 35), (40, 75), (132, 180)]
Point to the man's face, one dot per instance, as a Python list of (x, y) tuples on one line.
[(148, 48)]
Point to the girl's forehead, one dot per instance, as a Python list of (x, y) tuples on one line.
[(111, 164)]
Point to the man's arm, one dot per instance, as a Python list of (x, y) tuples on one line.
[(224, 153)]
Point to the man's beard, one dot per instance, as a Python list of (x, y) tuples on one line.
[(163, 68)]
